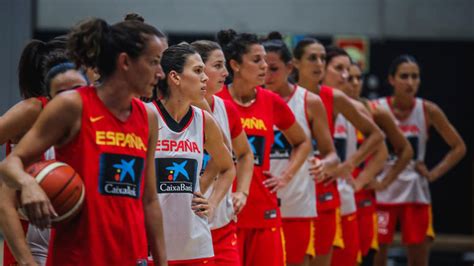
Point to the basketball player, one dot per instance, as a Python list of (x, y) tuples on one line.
[(298, 198), (223, 227), (185, 131), (42, 65), (347, 139), (107, 136), (259, 224), (407, 199), (365, 198), (310, 60)]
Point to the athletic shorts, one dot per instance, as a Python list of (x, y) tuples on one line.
[(328, 231), (261, 246), (367, 221), (299, 239), (415, 221), (349, 254), (226, 251)]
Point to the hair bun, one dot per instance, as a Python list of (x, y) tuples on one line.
[(86, 40), (274, 35), (134, 17), (226, 36)]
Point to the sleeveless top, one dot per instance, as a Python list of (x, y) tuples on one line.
[(298, 198), (257, 120), (178, 162), (110, 156), (410, 186)]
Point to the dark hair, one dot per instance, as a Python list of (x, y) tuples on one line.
[(134, 17), (30, 75), (274, 43), (174, 58), (96, 44), (32, 67), (235, 45), (205, 47), (298, 51), (334, 51), (392, 70), (56, 63)]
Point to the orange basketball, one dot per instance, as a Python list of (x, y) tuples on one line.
[(62, 184)]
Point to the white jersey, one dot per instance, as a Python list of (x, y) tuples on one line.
[(224, 213), (178, 161), (410, 186), (298, 198), (345, 139)]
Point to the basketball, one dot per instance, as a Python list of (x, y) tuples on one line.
[(63, 186)]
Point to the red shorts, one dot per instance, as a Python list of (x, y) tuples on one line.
[(367, 220), (299, 239), (224, 240), (415, 221), (261, 246), (350, 233), (328, 231)]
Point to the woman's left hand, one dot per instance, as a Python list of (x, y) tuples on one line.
[(201, 207), (274, 183)]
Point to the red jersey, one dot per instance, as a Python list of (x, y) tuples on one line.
[(327, 196), (109, 155), (257, 120)]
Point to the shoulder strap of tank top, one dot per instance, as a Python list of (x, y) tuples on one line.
[(327, 96), (44, 100)]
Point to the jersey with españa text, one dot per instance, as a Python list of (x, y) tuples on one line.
[(298, 197), (110, 156), (258, 119), (410, 186), (178, 162)]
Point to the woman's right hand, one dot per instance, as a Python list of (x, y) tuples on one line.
[(36, 205)]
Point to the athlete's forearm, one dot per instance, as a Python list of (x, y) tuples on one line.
[(222, 185), (244, 170), (13, 174), (298, 156), (155, 232), (369, 146), (209, 176), (373, 166), (403, 158), (448, 162)]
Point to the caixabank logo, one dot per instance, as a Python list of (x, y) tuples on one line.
[(281, 148), (176, 175), (120, 175), (257, 145), (205, 160)]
